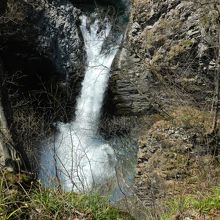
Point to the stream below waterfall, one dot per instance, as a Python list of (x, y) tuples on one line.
[(78, 158)]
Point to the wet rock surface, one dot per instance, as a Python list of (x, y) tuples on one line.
[(51, 29), (59, 35)]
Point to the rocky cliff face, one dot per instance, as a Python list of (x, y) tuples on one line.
[(59, 35), (42, 55), (168, 57), (53, 31), (167, 60), (168, 63)]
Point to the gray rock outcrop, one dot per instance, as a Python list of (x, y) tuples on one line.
[(168, 57)]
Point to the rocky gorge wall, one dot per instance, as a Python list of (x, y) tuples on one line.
[(168, 58), (166, 75)]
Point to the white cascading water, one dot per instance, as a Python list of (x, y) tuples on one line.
[(79, 157)]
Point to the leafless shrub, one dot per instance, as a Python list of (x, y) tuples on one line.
[(14, 12)]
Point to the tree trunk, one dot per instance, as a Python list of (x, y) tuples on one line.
[(217, 82), (4, 150), (11, 156)]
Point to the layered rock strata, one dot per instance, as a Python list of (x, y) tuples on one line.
[(168, 57)]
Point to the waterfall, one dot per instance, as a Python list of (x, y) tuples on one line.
[(79, 157)]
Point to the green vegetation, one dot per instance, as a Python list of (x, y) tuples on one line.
[(195, 205), (22, 198)]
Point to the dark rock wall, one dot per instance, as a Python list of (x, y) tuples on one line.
[(59, 35), (42, 53), (42, 48)]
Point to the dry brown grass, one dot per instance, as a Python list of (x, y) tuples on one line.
[(191, 117)]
